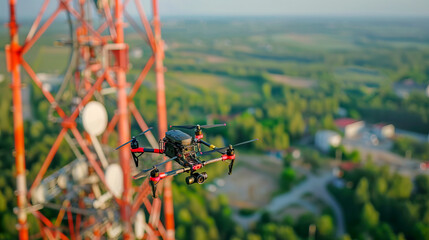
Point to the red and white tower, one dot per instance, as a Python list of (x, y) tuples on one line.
[(83, 187)]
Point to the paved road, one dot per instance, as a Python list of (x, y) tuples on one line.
[(313, 184)]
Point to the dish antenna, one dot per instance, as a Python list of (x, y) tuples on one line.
[(94, 118), (115, 179), (140, 224)]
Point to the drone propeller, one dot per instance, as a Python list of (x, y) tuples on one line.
[(134, 138), (198, 126), (143, 173), (221, 150)]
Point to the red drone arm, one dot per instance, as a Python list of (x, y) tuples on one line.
[(228, 157), (151, 150)]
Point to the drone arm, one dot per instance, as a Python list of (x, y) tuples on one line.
[(167, 174), (163, 175), (141, 150), (207, 144), (151, 150)]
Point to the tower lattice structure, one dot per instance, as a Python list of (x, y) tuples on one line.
[(80, 189)]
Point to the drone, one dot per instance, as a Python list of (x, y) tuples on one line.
[(186, 151)]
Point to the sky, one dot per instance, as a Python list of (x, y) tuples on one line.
[(331, 8)]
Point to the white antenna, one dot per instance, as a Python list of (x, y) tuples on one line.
[(140, 224), (80, 171), (114, 179), (94, 119)]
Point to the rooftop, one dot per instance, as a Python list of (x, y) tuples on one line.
[(343, 122)]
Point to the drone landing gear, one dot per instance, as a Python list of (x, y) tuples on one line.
[(154, 180)]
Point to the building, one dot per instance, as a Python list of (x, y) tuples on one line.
[(350, 127), (325, 139), (50, 81), (406, 87), (383, 130)]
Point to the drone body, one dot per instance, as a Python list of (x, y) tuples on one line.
[(185, 150)]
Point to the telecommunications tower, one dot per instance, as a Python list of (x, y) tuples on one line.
[(92, 196)]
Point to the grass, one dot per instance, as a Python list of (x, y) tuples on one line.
[(358, 75)]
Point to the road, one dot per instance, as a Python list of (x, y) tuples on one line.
[(313, 184)]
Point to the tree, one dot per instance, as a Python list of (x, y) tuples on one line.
[(383, 232), (325, 227), (288, 176), (184, 217), (266, 90), (3, 202), (422, 184), (252, 236), (296, 125), (401, 187), (198, 233), (380, 186), (421, 231), (286, 233), (362, 193), (370, 216), (302, 224)]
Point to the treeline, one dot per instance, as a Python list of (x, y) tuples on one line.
[(202, 216), (379, 204)]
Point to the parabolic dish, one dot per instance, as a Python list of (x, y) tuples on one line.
[(114, 179), (39, 194), (94, 118), (80, 171), (140, 224)]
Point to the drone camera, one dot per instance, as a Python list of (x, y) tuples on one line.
[(200, 178), (190, 180)]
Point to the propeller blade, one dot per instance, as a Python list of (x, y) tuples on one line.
[(140, 175), (166, 161), (147, 130), (134, 138), (214, 125), (144, 173), (220, 150), (123, 144), (183, 126), (195, 126), (246, 142)]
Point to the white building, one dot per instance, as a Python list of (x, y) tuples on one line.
[(325, 139), (350, 127), (384, 130)]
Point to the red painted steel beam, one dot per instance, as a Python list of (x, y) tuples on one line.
[(142, 124), (141, 77), (49, 224), (146, 25), (28, 44), (123, 124), (110, 128), (18, 123), (48, 160), (70, 221), (162, 117), (37, 21), (47, 94)]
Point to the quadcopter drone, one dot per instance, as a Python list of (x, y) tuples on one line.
[(185, 150)]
